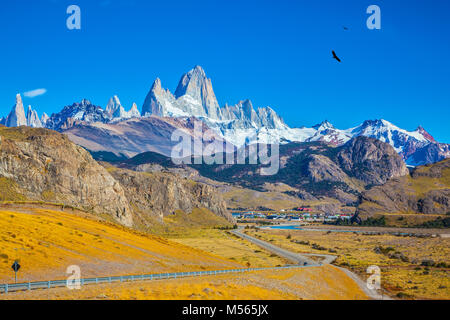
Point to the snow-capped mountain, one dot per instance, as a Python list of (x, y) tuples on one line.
[(404, 142), (85, 113), (416, 147), (195, 96), (17, 116), (239, 124)]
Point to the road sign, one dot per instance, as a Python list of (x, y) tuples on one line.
[(15, 266)]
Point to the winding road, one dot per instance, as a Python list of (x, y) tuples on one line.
[(302, 259)]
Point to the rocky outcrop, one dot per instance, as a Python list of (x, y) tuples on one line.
[(161, 194), (45, 165), (426, 191), (321, 168), (16, 117), (371, 160)]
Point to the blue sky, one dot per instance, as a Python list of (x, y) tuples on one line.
[(276, 53)]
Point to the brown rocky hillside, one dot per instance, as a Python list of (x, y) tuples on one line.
[(425, 191), (43, 165), (157, 195)]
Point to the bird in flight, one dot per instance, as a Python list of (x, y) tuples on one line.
[(335, 56), (345, 28)]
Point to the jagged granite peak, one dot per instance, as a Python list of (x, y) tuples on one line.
[(44, 119), (134, 111), (196, 88), (85, 102), (404, 142), (120, 113), (326, 132), (323, 125), (16, 117), (191, 83), (113, 105), (239, 124), (194, 97), (269, 118), (33, 120), (161, 102), (156, 85), (77, 113)]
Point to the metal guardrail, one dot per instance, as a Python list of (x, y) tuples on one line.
[(6, 288)]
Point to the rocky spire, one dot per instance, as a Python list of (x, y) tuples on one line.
[(196, 85), (113, 105), (121, 114), (44, 119), (33, 118), (159, 102), (134, 112), (17, 118)]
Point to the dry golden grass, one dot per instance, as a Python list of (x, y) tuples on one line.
[(357, 251), (309, 283), (47, 241), (224, 244), (180, 223)]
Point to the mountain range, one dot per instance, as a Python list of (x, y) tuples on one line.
[(122, 133)]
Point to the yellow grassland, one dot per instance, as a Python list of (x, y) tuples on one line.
[(309, 283), (47, 241), (224, 244), (357, 252), (422, 185)]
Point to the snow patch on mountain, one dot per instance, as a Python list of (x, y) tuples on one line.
[(241, 124)]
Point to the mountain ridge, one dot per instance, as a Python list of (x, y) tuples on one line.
[(239, 124)]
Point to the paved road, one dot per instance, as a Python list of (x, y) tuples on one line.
[(302, 259), (291, 256)]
